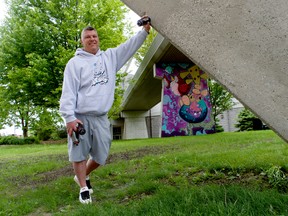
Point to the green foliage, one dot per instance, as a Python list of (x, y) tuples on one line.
[(145, 47), (277, 178), (219, 174), (31, 140), (218, 127), (44, 133), (246, 120), (46, 123), (12, 140), (221, 99), (37, 40), (118, 97), (47, 34), (60, 133)]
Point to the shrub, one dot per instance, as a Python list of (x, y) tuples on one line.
[(12, 140), (59, 133), (44, 133), (62, 132), (247, 121), (31, 140), (277, 178), (218, 127)]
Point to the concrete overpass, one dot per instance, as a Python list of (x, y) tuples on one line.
[(145, 91), (241, 44)]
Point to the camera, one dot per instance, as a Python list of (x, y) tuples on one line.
[(80, 131), (143, 21)]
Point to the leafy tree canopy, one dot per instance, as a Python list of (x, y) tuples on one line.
[(41, 36), (145, 47), (221, 99), (247, 121), (37, 40)]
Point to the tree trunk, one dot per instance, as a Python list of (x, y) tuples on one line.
[(24, 127)]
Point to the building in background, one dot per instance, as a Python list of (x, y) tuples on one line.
[(11, 131), (228, 119)]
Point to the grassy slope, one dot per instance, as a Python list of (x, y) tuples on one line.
[(220, 174)]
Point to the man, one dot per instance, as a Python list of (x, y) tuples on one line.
[(87, 95)]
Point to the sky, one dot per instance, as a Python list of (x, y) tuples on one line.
[(3, 10), (8, 130)]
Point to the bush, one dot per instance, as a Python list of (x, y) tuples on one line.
[(59, 133), (247, 121), (31, 140), (12, 140), (44, 133), (277, 178), (53, 133), (218, 127), (62, 132)]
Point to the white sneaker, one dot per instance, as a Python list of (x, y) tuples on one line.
[(84, 196), (87, 183)]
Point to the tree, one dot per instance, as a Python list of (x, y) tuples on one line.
[(247, 121), (146, 45), (119, 93), (221, 100), (13, 110), (46, 124), (37, 40)]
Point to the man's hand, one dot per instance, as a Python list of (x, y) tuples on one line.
[(146, 26), (72, 126)]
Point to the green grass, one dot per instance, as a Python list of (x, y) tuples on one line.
[(220, 174)]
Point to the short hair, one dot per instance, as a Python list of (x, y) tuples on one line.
[(88, 28)]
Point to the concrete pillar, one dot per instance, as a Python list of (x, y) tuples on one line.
[(187, 108), (134, 124), (241, 44)]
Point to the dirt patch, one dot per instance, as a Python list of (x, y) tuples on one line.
[(201, 178), (138, 153), (54, 174), (41, 212), (46, 177)]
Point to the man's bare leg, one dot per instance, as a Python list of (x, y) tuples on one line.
[(90, 166), (80, 171)]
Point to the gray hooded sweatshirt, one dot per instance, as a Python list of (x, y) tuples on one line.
[(89, 80)]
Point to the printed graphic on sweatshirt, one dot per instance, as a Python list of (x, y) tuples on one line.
[(100, 75)]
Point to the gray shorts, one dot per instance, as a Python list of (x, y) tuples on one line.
[(96, 142)]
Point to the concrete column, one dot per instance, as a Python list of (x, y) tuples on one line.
[(134, 124), (241, 44)]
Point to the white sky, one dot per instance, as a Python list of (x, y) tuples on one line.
[(3, 10)]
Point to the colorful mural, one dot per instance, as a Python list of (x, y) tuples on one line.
[(186, 101)]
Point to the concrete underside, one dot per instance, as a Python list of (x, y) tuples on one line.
[(242, 44)]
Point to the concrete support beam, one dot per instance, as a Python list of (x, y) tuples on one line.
[(135, 124), (242, 44)]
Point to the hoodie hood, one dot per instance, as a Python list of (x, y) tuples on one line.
[(81, 52)]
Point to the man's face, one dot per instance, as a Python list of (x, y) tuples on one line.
[(90, 41)]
